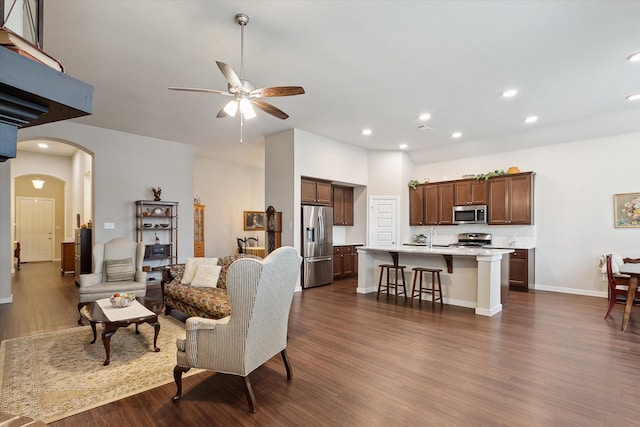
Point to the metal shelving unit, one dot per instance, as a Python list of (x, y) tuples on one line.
[(157, 228)]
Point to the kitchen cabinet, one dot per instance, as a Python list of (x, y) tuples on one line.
[(314, 191), (438, 203), (470, 192), (82, 252), (416, 205), (345, 261), (511, 199), (67, 258), (342, 205), (522, 270), (198, 230)]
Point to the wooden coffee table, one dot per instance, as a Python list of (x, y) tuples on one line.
[(93, 314)]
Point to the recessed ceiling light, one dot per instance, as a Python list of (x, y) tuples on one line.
[(403, 146), (424, 117), (531, 119), (43, 145), (634, 57), (456, 135), (366, 131), (509, 93), (634, 97)]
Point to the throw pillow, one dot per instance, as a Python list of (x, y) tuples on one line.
[(119, 270), (207, 276), (192, 265)]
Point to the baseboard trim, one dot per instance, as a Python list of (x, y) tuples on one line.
[(573, 291), (8, 300)]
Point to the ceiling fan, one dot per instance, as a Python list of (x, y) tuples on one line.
[(244, 93)]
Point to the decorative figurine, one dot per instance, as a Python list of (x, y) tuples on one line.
[(156, 193)]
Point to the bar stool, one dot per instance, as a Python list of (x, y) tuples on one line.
[(397, 269), (435, 273)]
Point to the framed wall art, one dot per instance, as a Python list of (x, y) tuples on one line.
[(253, 220), (626, 210)]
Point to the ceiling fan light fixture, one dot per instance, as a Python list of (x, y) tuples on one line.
[(231, 108), (247, 109), (635, 57)]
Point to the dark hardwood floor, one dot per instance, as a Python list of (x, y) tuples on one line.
[(547, 360)]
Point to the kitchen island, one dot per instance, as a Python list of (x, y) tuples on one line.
[(472, 277)]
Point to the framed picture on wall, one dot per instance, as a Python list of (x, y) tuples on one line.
[(253, 220), (626, 210)]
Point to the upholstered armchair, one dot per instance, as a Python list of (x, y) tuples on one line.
[(260, 292), (117, 267)]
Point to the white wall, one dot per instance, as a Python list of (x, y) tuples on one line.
[(280, 186), (227, 190), (6, 225), (57, 166), (82, 164), (294, 153), (125, 168), (574, 187), (389, 174)]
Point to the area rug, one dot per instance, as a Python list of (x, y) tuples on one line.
[(58, 374)]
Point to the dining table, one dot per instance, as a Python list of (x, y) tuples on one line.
[(255, 250), (633, 270)]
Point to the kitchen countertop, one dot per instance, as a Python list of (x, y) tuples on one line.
[(517, 246), (510, 247), (439, 250)]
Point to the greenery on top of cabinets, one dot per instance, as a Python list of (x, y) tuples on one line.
[(413, 183), (486, 176)]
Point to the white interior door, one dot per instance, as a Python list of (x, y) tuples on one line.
[(35, 228), (383, 220)]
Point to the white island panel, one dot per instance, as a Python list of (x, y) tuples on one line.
[(479, 277)]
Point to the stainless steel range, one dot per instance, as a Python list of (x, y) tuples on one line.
[(472, 240)]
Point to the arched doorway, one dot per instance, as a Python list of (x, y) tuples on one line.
[(67, 172)]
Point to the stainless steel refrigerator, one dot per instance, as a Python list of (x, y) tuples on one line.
[(317, 246)]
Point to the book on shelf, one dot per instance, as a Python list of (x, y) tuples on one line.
[(24, 47)]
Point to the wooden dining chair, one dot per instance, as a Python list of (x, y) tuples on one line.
[(242, 245), (618, 288)]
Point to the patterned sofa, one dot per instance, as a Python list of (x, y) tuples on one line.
[(210, 303)]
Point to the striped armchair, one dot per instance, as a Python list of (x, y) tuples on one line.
[(260, 292)]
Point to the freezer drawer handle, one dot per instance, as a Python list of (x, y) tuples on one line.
[(319, 259)]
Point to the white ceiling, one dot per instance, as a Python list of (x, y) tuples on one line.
[(374, 64)]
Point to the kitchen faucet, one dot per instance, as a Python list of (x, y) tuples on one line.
[(431, 238)]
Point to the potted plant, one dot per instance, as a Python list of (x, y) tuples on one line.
[(413, 183)]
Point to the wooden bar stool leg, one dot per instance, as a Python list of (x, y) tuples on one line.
[(395, 286), (380, 282), (433, 287), (413, 288), (440, 289), (404, 287)]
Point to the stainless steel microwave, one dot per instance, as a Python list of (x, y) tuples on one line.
[(470, 214)]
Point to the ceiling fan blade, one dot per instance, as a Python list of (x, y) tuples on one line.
[(268, 108), (276, 91), (194, 89), (230, 75), (222, 114)]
